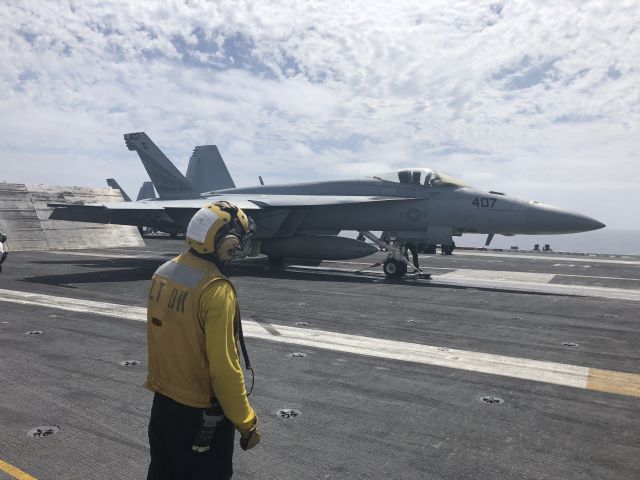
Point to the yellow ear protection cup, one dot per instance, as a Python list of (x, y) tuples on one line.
[(227, 247)]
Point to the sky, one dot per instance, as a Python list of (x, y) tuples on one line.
[(538, 99)]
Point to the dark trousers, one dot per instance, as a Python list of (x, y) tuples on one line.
[(414, 254), (172, 430)]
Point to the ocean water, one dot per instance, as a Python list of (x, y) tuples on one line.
[(604, 241)]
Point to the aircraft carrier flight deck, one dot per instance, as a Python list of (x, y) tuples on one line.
[(502, 366)]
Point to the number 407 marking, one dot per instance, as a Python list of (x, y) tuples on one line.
[(484, 202)]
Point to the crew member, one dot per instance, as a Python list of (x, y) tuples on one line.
[(3, 254), (411, 246), (193, 326)]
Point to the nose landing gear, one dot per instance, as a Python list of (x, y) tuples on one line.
[(394, 268), (395, 265)]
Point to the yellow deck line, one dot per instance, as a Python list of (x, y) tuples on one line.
[(15, 472), (614, 382)]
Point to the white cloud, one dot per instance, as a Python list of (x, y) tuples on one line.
[(539, 100)]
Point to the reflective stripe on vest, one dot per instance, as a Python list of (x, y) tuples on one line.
[(181, 274)]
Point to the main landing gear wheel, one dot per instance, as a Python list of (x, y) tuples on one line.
[(394, 268), (430, 249), (448, 249)]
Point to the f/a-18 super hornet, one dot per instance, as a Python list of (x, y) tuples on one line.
[(303, 220)]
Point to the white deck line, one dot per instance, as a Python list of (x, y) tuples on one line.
[(514, 367), (460, 278), (502, 275), (548, 256), (542, 256), (550, 288)]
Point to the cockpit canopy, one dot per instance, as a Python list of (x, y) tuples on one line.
[(419, 176)]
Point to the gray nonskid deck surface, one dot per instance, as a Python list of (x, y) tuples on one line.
[(362, 417)]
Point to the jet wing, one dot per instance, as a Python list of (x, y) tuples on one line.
[(275, 215), (119, 213), (245, 202)]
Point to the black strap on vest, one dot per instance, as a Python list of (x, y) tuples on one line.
[(243, 347), (222, 267)]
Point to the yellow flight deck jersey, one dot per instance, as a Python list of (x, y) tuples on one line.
[(192, 328)]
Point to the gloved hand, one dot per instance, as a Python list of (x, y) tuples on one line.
[(250, 438)]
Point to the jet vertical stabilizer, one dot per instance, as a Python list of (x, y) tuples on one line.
[(113, 184), (207, 170), (146, 191), (166, 178)]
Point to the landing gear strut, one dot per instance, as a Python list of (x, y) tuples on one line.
[(395, 265)]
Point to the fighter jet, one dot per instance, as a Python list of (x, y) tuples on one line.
[(403, 183), (415, 203)]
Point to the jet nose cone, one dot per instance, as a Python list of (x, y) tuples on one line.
[(549, 219)]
